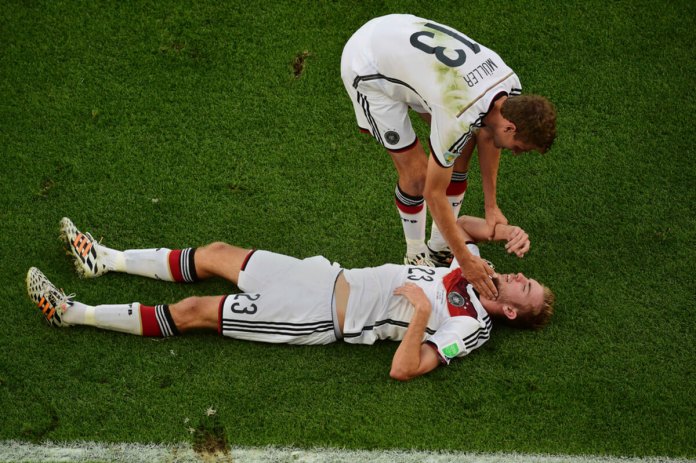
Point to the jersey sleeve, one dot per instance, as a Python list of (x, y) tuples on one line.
[(457, 337)]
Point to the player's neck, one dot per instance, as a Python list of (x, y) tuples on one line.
[(493, 117)]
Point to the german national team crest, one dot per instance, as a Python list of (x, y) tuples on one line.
[(455, 299), (392, 137)]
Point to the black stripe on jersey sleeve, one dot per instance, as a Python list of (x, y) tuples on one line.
[(482, 334)]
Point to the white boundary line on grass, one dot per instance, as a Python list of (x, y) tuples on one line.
[(22, 452)]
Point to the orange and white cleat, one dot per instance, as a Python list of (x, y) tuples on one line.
[(51, 301), (84, 249)]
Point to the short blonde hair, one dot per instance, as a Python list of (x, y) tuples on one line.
[(539, 318)]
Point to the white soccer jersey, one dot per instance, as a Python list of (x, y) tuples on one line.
[(399, 61), (458, 323), (289, 300)]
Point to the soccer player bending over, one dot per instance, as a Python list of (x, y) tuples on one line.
[(434, 312), (470, 98)]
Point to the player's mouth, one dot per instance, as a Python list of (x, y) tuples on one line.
[(498, 280)]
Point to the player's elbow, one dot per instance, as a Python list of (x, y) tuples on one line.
[(430, 193), (401, 374), (435, 196)]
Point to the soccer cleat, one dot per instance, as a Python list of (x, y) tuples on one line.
[(421, 260), (85, 249), (441, 258), (51, 301)]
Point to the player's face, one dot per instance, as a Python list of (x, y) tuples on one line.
[(504, 138), (518, 290)]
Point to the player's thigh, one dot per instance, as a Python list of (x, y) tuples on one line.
[(388, 121), (263, 268)]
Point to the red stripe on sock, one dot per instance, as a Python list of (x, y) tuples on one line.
[(148, 321), (409, 209), (457, 188), (175, 265)]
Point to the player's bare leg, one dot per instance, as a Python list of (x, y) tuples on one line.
[(196, 313), (221, 260), (438, 248), (180, 265), (411, 165)]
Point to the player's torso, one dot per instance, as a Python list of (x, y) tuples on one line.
[(374, 312), (429, 279)]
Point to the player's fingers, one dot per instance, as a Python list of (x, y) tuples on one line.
[(401, 290), (524, 248), (486, 288), (517, 242), (509, 241)]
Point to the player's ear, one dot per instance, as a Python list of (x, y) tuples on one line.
[(509, 127), (510, 312)]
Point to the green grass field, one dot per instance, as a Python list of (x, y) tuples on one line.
[(176, 123)]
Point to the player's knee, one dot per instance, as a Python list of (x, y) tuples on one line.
[(186, 313), (413, 184), (216, 248), (210, 258)]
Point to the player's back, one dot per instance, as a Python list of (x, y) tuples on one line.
[(445, 67)]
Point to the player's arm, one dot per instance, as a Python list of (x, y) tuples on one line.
[(476, 229), (474, 269), (489, 161), (414, 358)]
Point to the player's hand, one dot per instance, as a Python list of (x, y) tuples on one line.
[(494, 216), (480, 275), (517, 242), (415, 295)]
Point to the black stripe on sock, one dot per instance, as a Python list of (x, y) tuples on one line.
[(192, 265), (169, 320)]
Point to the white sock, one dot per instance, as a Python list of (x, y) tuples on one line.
[(437, 242), (413, 213), (151, 263), (158, 263), (124, 318), (132, 318)]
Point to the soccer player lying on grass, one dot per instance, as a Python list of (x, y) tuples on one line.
[(434, 312)]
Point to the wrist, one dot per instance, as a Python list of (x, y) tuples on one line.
[(501, 232)]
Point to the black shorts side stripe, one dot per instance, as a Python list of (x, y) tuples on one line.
[(382, 323)]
